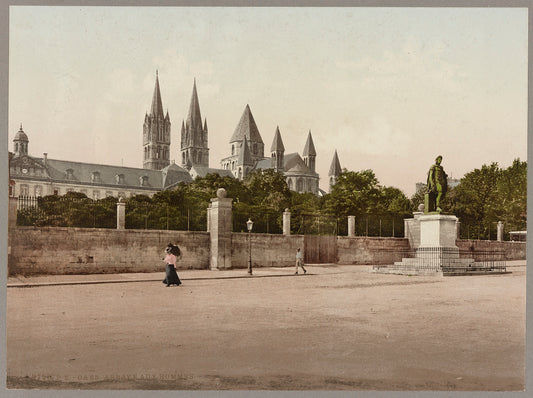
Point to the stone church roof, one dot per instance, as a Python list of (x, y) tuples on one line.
[(246, 128), (335, 168), (245, 157), (157, 104), (200, 171), (309, 149), (107, 175), (194, 118), (277, 143)]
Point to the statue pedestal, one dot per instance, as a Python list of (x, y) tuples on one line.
[(438, 230), (437, 251)]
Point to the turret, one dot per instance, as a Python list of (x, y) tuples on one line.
[(277, 151), (334, 170), (20, 143), (309, 153)]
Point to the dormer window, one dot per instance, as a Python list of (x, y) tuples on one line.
[(69, 174), (95, 176), (143, 181), (119, 178)]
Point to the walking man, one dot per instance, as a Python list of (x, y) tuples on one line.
[(299, 261)]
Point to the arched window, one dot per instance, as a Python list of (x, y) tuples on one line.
[(289, 183), (232, 150), (299, 185)]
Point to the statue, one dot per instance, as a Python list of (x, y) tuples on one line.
[(437, 186)]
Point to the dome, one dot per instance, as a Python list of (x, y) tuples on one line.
[(21, 135)]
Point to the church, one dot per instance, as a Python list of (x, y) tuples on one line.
[(40, 176)]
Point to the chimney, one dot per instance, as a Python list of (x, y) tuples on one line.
[(45, 158)]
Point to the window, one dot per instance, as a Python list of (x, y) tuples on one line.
[(232, 150), (95, 177), (143, 181), (24, 190), (119, 178), (108, 194), (38, 190), (299, 185), (96, 194)]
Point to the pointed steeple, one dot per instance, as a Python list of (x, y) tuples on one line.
[(157, 104), (309, 149), (277, 143), (335, 168), (245, 158), (309, 153), (246, 127), (194, 117)]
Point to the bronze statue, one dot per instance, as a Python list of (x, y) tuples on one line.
[(437, 186)]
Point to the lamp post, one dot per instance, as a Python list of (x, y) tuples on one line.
[(249, 225)]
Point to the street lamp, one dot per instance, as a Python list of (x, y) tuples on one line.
[(249, 225)]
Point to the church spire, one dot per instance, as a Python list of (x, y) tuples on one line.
[(157, 104), (277, 151), (309, 153), (194, 118), (156, 133), (334, 170)]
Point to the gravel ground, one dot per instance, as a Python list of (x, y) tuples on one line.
[(336, 328)]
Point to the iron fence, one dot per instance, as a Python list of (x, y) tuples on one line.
[(59, 211), (448, 260), (147, 215), (268, 222)]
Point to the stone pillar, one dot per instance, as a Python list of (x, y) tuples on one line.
[(12, 215), (351, 226), (220, 231), (209, 217), (499, 235), (286, 222), (121, 214)]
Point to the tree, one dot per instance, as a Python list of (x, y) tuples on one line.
[(269, 189), (475, 199), (354, 193)]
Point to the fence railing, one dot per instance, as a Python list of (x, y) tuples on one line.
[(448, 260), (58, 211), (268, 222), (165, 217)]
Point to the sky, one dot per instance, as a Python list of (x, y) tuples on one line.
[(388, 88)]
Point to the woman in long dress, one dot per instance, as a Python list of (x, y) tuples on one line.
[(170, 260)]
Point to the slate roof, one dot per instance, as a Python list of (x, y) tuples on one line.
[(277, 143), (246, 128), (82, 172), (245, 157), (202, 171), (157, 104), (335, 168), (309, 149), (194, 118), (294, 164)]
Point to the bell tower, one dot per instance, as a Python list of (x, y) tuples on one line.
[(156, 133)]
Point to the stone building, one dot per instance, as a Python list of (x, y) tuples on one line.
[(248, 154), (41, 176)]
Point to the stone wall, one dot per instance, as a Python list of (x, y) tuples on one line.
[(84, 251), (268, 250), (367, 250), (89, 251), (510, 250)]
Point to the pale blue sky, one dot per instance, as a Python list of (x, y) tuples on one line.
[(389, 88)]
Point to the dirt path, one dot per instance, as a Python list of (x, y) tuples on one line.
[(336, 329)]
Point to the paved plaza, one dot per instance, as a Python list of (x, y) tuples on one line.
[(335, 328)]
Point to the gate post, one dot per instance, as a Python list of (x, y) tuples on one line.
[(286, 222), (121, 214), (499, 235), (351, 226), (12, 212), (220, 214)]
